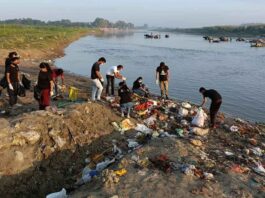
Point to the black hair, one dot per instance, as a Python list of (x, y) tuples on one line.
[(120, 66), (12, 54), (46, 65), (122, 83), (140, 78), (202, 89), (162, 64), (102, 59), (14, 59), (59, 71)]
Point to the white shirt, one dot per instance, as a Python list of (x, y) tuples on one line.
[(112, 70)]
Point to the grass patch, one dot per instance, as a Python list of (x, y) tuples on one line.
[(35, 37)]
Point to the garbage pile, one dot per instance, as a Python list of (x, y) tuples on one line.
[(217, 151)]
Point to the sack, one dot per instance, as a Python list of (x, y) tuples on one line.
[(199, 119), (21, 91), (3, 82), (26, 82), (37, 93), (183, 112)]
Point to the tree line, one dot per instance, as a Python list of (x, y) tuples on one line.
[(257, 30), (97, 23)]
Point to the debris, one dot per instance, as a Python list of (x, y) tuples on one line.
[(208, 176), (200, 118), (234, 128), (200, 131), (161, 162), (183, 112), (196, 142), (110, 178), (101, 166), (257, 151), (60, 194), (126, 125), (186, 105), (259, 169), (142, 128), (188, 169), (239, 169), (121, 172)]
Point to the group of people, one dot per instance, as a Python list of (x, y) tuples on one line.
[(47, 83), (125, 93)]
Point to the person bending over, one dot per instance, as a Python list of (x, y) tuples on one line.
[(112, 73), (97, 79), (216, 99), (140, 88), (56, 73), (125, 99)]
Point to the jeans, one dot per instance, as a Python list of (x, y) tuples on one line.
[(126, 106), (96, 89), (13, 94), (214, 108), (164, 88), (110, 83)]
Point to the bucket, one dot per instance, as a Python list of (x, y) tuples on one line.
[(73, 93)]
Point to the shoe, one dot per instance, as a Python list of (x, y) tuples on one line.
[(122, 115), (128, 116)]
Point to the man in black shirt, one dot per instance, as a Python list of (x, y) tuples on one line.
[(13, 80), (97, 79), (125, 99), (215, 105), (162, 77)]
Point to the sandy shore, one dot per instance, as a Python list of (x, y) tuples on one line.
[(43, 152)]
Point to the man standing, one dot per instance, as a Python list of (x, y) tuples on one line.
[(215, 105), (97, 79), (162, 78), (112, 73)]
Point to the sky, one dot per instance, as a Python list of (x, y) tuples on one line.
[(158, 13)]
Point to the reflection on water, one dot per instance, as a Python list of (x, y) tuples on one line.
[(234, 69)]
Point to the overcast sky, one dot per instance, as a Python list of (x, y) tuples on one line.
[(164, 13)]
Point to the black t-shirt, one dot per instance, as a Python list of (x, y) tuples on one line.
[(7, 63), (213, 95), (125, 95), (44, 80), (163, 73), (95, 68), (13, 72), (137, 85)]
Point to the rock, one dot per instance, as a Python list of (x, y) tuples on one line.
[(19, 156), (31, 137), (196, 142), (199, 131)]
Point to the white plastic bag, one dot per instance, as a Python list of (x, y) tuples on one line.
[(199, 119), (183, 112), (61, 194)]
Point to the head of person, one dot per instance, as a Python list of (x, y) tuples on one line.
[(15, 60), (120, 67), (13, 54), (45, 67), (122, 84), (59, 72), (140, 79), (202, 90), (102, 61), (162, 64)]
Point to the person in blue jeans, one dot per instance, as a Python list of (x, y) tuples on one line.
[(125, 99)]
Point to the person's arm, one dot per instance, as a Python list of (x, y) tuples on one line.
[(157, 77), (62, 78), (203, 101), (168, 76), (8, 79), (51, 86), (118, 75), (99, 76)]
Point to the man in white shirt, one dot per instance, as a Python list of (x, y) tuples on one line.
[(112, 73)]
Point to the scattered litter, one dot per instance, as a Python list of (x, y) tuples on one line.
[(188, 169), (183, 112), (101, 166), (121, 172), (196, 142), (186, 105), (257, 151), (239, 169), (142, 128), (234, 128), (60, 194), (200, 118), (259, 169), (200, 131), (208, 176)]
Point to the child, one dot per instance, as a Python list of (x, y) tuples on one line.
[(125, 99)]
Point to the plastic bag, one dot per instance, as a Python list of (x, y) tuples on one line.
[(199, 119), (183, 112), (26, 82), (37, 93), (21, 91), (61, 194)]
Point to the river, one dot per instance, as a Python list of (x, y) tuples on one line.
[(235, 69)]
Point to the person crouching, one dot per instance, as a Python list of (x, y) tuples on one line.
[(125, 99), (45, 84)]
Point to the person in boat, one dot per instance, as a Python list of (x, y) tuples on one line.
[(216, 99), (140, 88)]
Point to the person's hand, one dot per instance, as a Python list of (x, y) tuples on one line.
[(102, 79), (21, 84), (123, 78), (157, 82), (11, 86), (51, 93)]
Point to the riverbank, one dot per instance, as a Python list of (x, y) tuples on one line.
[(43, 152)]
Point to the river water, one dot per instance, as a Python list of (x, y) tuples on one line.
[(235, 69)]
